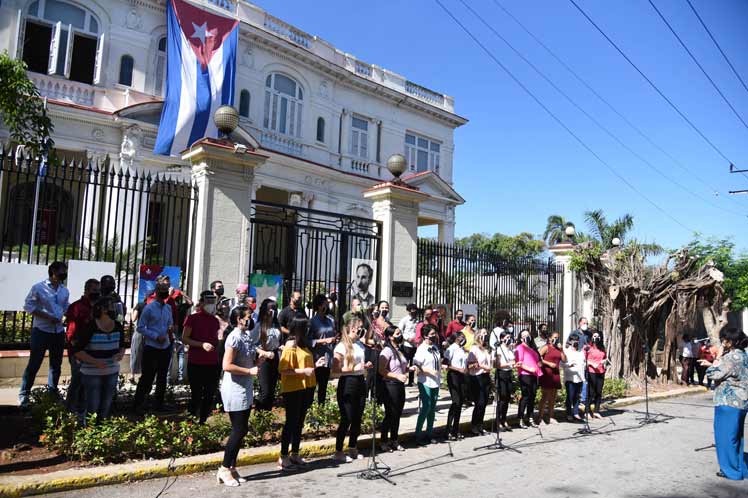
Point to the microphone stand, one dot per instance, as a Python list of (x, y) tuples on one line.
[(497, 444), (648, 418), (374, 468)]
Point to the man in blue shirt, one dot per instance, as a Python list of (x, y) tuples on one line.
[(584, 338), (156, 323), (46, 302)]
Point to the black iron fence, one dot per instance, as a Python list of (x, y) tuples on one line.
[(91, 212), (314, 251), (528, 290)]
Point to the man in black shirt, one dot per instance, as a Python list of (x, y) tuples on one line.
[(293, 310)]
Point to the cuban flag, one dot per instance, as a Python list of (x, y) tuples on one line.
[(200, 75)]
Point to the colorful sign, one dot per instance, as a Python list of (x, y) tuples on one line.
[(263, 286), (149, 274)]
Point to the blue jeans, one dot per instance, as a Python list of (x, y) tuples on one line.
[(573, 389), (75, 400), (41, 342), (179, 353), (100, 391)]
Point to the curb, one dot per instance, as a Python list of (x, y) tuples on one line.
[(150, 469)]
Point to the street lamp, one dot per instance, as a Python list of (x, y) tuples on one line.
[(570, 231), (616, 242)]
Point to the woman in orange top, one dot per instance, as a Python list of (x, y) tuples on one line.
[(296, 368)]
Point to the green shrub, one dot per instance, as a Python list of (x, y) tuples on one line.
[(372, 412), (261, 422), (614, 388)]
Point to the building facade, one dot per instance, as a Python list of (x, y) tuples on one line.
[(326, 121)]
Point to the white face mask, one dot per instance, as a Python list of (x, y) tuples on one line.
[(510, 329), (583, 328)]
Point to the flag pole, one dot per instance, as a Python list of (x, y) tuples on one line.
[(39, 174)]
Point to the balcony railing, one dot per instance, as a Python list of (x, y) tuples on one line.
[(363, 69), (424, 93), (281, 143), (286, 30), (57, 88)]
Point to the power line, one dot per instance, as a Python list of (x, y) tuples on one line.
[(592, 118), (664, 97), (557, 119), (735, 72), (696, 61), (606, 102)]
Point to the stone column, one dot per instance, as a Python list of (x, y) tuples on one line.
[(566, 315), (447, 232), (396, 206), (224, 179)]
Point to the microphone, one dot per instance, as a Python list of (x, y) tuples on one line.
[(573, 313)]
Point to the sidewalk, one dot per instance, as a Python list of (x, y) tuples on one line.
[(84, 477)]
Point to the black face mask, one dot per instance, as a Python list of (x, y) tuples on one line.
[(296, 303), (596, 340), (398, 339), (486, 342), (62, 277), (433, 339), (162, 294), (361, 333), (463, 341), (575, 344), (526, 339), (106, 290), (94, 296), (219, 291), (384, 313)]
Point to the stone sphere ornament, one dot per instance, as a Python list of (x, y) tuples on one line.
[(226, 119), (397, 164)]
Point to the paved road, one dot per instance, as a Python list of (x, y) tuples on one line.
[(621, 460)]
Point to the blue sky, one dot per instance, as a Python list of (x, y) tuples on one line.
[(513, 161)]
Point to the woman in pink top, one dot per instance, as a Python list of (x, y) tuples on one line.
[(596, 357), (528, 369)]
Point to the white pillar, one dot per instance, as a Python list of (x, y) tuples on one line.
[(447, 232), (566, 317), (396, 206), (224, 180)]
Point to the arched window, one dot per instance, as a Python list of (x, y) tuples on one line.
[(283, 104), (56, 33), (160, 75), (244, 103), (320, 129), (126, 64)]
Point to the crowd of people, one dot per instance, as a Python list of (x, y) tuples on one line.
[(227, 343)]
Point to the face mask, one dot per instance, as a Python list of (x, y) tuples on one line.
[(507, 341), (472, 325), (460, 320), (361, 332), (384, 313), (432, 338), (486, 342), (583, 328), (398, 339), (575, 344), (162, 294), (253, 306), (219, 292), (210, 309), (510, 329), (62, 277), (296, 303), (555, 342), (94, 296), (526, 339), (106, 290), (463, 341), (596, 340)]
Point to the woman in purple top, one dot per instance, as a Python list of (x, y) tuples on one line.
[(393, 367), (528, 369)]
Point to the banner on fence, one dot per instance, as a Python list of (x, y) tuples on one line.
[(149, 274), (263, 286), (79, 271), (16, 281)]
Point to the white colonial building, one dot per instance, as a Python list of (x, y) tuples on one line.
[(327, 120)]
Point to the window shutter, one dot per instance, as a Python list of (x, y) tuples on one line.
[(69, 51), (21, 32), (99, 60), (54, 48)]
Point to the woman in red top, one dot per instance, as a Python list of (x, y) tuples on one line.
[(550, 381), (706, 353), (596, 357), (201, 335)]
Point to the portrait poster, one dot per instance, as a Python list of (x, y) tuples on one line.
[(363, 284), (149, 274), (263, 286)]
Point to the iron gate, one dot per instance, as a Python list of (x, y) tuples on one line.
[(312, 250), (91, 212), (528, 290)]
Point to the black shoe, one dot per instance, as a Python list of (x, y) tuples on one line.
[(721, 474)]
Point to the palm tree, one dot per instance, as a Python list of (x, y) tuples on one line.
[(604, 232), (555, 229)]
